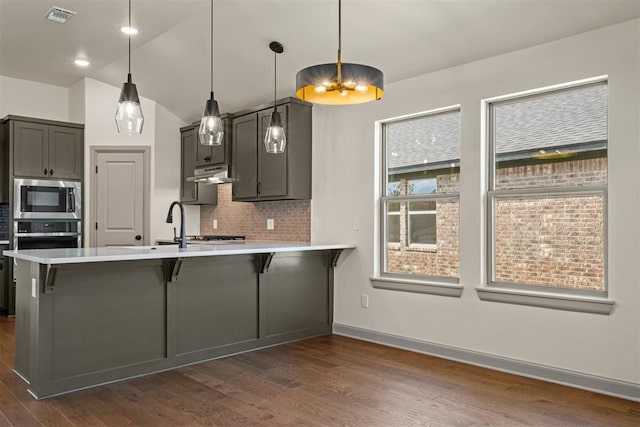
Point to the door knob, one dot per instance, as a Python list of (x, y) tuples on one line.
[(138, 237)]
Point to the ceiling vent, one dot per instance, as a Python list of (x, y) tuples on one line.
[(58, 14)]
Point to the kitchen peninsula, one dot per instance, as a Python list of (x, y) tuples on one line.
[(90, 316)]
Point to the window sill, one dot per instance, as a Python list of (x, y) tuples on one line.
[(418, 286), (547, 300)]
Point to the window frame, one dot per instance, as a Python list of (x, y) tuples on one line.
[(493, 195), (438, 285)]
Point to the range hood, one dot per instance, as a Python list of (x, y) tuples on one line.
[(211, 175)]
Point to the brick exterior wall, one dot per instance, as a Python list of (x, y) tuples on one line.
[(546, 241), (551, 241), (292, 218), (441, 260)]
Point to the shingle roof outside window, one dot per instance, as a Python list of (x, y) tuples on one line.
[(570, 117)]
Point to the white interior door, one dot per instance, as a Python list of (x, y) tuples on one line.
[(119, 199)]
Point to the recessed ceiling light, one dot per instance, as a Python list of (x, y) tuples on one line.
[(81, 62), (129, 30)]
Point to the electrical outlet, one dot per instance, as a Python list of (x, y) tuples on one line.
[(34, 288), (356, 223), (271, 224), (215, 224), (364, 301)]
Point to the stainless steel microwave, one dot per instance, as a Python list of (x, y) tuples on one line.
[(46, 199)]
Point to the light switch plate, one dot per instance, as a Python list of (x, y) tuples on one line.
[(364, 301), (215, 224), (356, 223), (270, 224), (34, 288)]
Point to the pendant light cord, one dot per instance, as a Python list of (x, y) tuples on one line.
[(275, 78), (339, 27), (129, 37), (211, 49), (339, 63)]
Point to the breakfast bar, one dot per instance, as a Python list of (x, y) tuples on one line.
[(90, 316)]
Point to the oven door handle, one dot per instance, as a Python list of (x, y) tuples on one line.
[(65, 234), (72, 201)]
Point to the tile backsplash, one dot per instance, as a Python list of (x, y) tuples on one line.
[(292, 218)]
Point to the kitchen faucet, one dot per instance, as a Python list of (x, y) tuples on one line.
[(183, 238)]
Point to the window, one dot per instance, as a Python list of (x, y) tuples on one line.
[(420, 202), (547, 190)]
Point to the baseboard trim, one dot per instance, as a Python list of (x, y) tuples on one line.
[(611, 387)]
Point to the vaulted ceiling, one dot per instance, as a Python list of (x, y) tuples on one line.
[(171, 63)]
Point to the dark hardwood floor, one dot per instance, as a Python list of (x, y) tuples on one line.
[(325, 381)]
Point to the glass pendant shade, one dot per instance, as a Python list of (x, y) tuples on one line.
[(211, 130), (129, 118), (275, 140)]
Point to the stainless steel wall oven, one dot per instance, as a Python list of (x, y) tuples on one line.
[(47, 234)]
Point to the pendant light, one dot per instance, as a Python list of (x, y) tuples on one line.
[(129, 118), (339, 83), (211, 130), (274, 139)]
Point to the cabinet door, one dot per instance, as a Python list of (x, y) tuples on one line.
[(203, 152), (188, 189), (219, 152), (245, 160), (66, 152), (30, 142), (272, 168)]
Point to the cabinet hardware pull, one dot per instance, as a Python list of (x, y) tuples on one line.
[(45, 171), (259, 187), (51, 172)]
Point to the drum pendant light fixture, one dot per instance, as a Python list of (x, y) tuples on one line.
[(339, 83), (129, 118), (211, 131), (274, 139)]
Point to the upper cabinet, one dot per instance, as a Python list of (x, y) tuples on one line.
[(190, 150), (45, 149), (260, 176)]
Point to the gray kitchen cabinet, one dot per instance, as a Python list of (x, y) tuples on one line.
[(214, 155), (245, 157), (192, 192), (66, 152), (261, 176), (5, 284), (45, 149), (272, 168)]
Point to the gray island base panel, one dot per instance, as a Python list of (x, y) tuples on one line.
[(94, 321)]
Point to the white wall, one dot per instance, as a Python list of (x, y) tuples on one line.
[(33, 99), (345, 152), (77, 105), (160, 132), (166, 179)]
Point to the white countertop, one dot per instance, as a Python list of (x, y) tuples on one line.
[(81, 255)]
